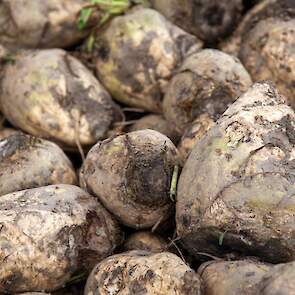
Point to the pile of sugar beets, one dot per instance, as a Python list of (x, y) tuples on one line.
[(147, 147)]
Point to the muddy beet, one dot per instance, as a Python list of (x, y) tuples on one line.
[(58, 230), (235, 191), (131, 175), (162, 273)]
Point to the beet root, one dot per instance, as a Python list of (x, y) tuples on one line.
[(207, 82), (136, 55), (28, 162), (48, 234), (131, 175), (50, 94), (140, 272), (234, 193)]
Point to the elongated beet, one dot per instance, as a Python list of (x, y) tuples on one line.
[(37, 23), (49, 93)]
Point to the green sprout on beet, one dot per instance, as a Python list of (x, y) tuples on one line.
[(107, 9), (173, 187), (221, 238), (8, 58)]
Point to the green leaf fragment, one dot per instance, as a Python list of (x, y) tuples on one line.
[(107, 8), (90, 43), (76, 279), (8, 58), (144, 2), (221, 238), (173, 187), (84, 17), (104, 19)]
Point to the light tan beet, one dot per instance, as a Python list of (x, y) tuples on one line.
[(264, 42), (235, 191), (49, 93), (136, 55), (140, 272), (6, 132), (38, 23), (29, 162), (48, 234)]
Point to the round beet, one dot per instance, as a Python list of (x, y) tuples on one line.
[(279, 280), (207, 82), (268, 53), (264, 42), (158, 123), (146, 241), (131, 175), (209, 20), (6, 132)]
